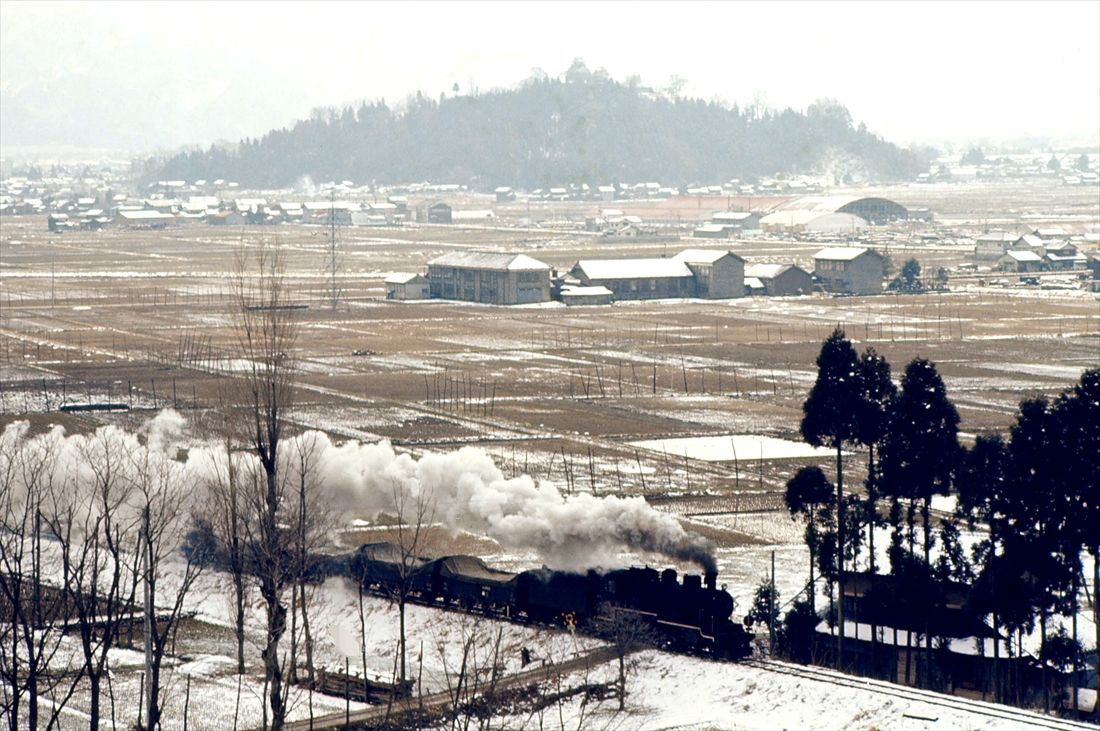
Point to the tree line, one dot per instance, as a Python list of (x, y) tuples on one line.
[(581, 127), (1033, 497)]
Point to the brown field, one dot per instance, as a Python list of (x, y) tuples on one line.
[(142, 318)]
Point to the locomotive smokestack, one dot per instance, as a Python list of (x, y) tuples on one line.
[(710, 580)]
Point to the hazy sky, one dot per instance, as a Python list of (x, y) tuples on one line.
[(133, 75)]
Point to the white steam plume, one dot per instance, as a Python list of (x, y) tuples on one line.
[(469, 492), (465, 490)]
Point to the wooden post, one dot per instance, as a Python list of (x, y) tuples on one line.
[(186, 701)]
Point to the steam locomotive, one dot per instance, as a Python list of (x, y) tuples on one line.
[(691, 616)]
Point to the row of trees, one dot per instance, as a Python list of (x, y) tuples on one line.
[(91, 529), (1036, 493), (581, 127), (88, 523)]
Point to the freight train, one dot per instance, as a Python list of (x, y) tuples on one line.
[(692, 615)]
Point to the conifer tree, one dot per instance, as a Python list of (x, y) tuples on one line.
[(807, 493), (831, 418)]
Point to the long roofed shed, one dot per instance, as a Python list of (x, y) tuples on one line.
[(489, 260), (597, 269)]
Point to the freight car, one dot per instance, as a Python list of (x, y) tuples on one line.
[(689, 616)]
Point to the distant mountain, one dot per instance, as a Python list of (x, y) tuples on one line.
[(583, 127)]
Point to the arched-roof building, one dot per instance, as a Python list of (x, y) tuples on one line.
[(808, 221), (873, 210)]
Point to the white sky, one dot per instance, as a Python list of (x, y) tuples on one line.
[(926, 71)]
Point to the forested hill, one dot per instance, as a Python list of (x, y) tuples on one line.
[(583, 127)]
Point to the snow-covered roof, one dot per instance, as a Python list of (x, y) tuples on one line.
[(711, 228), (403, 278), (476, 215), (1050, 233), (489, 260), (840, 253), (1031, 240), (605, 269), (998, 236), (731, 216), (957, 645), (1023, 256), (703, 256), (765, 271), (572, 291), (503, 189), (146, 216), (753, 283)]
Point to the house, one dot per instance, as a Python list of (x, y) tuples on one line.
[(886, 639), (1062, 255), (737, 220), (606, 193), (849, 270), (403, 286), (477, 216), (711, 231), (145, 219), (719, 274), (227, 217), (1050, 232), (439, 212), (637, 279), (779, 280), (489, 277), (993, 245), (504, 194), (1021, 262), (59, 223), (1030, 242)]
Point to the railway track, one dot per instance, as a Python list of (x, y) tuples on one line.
[(992, 710), (443, 699)]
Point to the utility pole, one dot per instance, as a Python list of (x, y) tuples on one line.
[(332, 246), (771, 611), (146, 562)]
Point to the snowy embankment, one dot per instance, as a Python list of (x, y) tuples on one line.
[(673, 692)]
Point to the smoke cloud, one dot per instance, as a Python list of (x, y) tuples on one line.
[(464, 490), (469, 492)]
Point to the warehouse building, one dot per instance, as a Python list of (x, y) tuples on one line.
[(780, 280), (718, 274), (872, 210), (489, 277), (708, 273), (849, 270), (407, 286)]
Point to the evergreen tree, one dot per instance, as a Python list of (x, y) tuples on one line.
[(982, 488), (1079, 434), (921, 451), (831, 418), (807, 493), (878, 391)]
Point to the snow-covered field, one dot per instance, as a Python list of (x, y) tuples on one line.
[(730, 447)]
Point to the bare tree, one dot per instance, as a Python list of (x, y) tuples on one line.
[(266, 334), (96, 537), (312, 520), (162, 495), (32, 606), (627, 632), (224, 514), (415, 513)]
